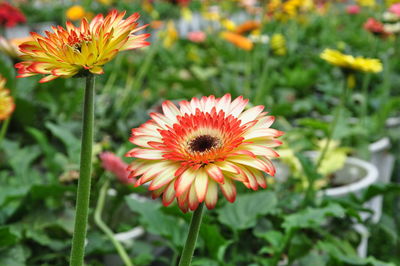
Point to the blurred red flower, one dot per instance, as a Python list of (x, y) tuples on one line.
[(10, 16), (376, 27), (115, 165), (196, 36), (395, 9), (353, 9)]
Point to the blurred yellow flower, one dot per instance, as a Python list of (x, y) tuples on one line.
[(7, 105), (147, 6), (278, 44), (334, 160), (213, 16), (186, 13), (170, 35), (368, 3), (75, 12), (237, 40), (391, 2), (106, 2), (228, 24), (350, 62), (284, 10)]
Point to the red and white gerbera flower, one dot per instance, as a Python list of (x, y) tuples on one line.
[(188, 152)]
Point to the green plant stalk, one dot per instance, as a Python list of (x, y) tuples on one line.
[(364, 110), (144, 69), (83, 194), (106, 230), (382, 114), (191, 240), (261, 85), (332, 129), (4, 128), (247, 74), (278, 255)]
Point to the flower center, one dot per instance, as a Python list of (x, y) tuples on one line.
[(203, 143), (76, 41)]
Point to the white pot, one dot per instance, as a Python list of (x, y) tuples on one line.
[(358, 175), (393, 122), (384, 162), (355, 176)]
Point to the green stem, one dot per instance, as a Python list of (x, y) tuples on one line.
[(4, 128), (247, 74), (364, 110), (191, 240), (332, 129), (263, 88), (126, 96), (278, 255), (97, 219), (83, 194)]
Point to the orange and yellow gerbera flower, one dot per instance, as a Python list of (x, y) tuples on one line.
[(188, 152), (7, 105), (79, 50)]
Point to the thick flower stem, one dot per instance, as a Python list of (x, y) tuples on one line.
[(83, 195), (191, 240), (97, 219)]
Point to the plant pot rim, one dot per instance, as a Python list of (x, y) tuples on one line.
[(134, 233), (393, 121), (370, 178), (379, 145)]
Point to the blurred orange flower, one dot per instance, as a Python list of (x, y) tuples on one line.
[(237, 40), (75, 12), (248, 26)]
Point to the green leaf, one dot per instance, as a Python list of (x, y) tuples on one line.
[(334, 249), (21, 159), (214, 240), (7, 237), (204, 261), (313, 258), (312, 217), (158, 223), (300, 245), (244, 212), (72, 143), (15, 256), (40, 237), (275, 238), (380, 189), (314, 124), (308, 166)]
